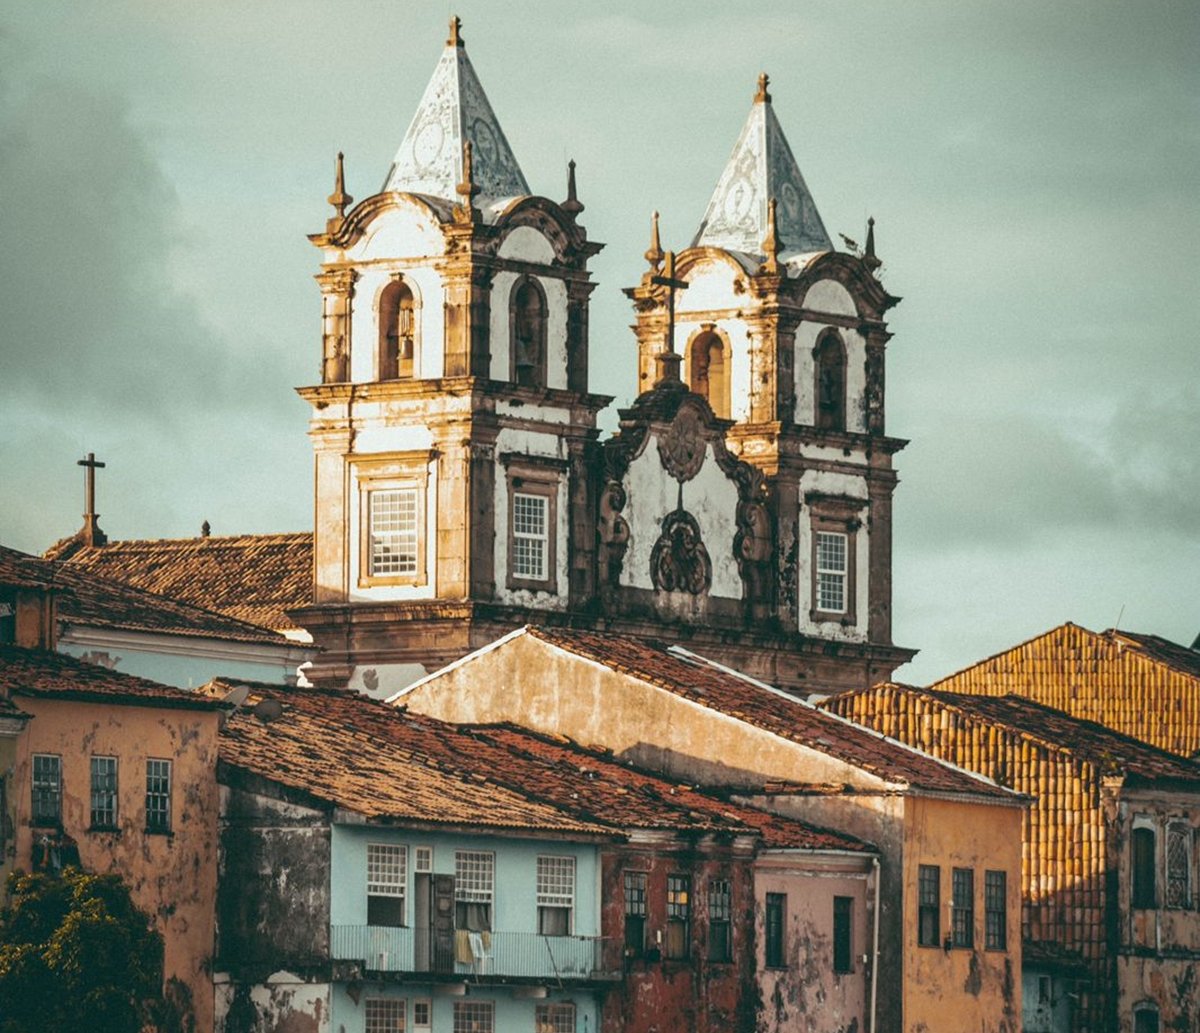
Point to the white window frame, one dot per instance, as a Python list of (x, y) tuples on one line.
[(556, 887), (524, 505), (384, 1014), (838, 575), (406, 473), (423, 860), (425, 1004), (399, 545), (539, 477), (474, 877), (387, 874)]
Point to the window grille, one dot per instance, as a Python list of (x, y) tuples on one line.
[(474, 879), (47, 789), (929, 897), (394, 521), (384, 1014), (423, 859), (530, 536), (635, 912), (475, 1017), (1179, 866), (158, 795), (554, 1018), (422, 1015), (104, 792), (995, 911), (720, 911), (555, 894), (962, 926), (387, 877), (831, 572)]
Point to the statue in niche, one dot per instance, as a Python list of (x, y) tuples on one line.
[(614, 531), (679, 561), (753, 548)]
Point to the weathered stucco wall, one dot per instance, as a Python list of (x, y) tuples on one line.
[(171, 877)]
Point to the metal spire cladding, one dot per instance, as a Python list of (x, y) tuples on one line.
[(760, 169), (455, 110)]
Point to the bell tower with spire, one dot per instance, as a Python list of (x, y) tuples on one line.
[(452, 423), (784, 337)]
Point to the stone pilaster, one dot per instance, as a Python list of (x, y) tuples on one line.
[(337, 290)]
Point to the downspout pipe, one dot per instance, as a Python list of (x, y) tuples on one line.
[(874, 945)]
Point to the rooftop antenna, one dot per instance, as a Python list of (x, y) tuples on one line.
[(1117, 626), (233, 700)]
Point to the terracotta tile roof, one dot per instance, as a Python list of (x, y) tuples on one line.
[(384, 762), (46, 675), (1141, 685), (730, 693), (87, 599), (252, 577), (1109, 751)]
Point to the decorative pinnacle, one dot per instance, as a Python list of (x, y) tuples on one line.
[(762, 96), (771, 243), (455, 39), (655, 253), (572, 205), (339, 198), (467, 189), (869, 259)]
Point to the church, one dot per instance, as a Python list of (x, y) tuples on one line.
[(462, 487)]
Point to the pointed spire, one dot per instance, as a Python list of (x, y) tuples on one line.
[(771, 244), (468, 188), (572, 205), (654, 254), (339, 198), (869, 259), (454, 110), (762, 167)]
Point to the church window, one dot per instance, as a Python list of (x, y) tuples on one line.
[(392, 516), (835, 526), (709, 371), (1143, 849), (533, 523), (527, 332), (829, 395), (397, 332), (387, 875), (394, 532)]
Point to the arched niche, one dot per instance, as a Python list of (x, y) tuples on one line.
[(709, 367), (829, 382), (397, 318), (527, 320)]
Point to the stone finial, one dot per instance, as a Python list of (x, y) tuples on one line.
[(869, 259), (339, 198), (762, 96), (572, 205), (456, 38), (467, 189), (771, 244), (205, 529), (654, 254)]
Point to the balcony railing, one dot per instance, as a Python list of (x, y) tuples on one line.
[(500, 954)]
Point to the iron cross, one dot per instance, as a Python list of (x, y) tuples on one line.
[(667, 279)]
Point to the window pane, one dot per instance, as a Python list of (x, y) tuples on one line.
[(963, 908), (1179, 866), (720, 911), (635, 912), (104, 792), (474, 1017), (776, 913), (387, 877), (473, 887), (1145, 892), (843, 912), (995, 911), (831, 572), (393, 520), (158, 795), (554, 1018), (929, 905), (384, 1015), (679, 910), (530, 519)]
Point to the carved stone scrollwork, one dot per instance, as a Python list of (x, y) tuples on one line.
[(683, 448), (873, 393), (614, 532), (789, 571), (679, 561), (753, 549)]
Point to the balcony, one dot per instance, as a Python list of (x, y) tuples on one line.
[(498, 955)]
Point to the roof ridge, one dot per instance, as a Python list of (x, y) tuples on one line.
[(1012, 649)]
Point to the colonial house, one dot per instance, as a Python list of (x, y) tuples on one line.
[(117, 774), (939, 829), (384, 871), (1111, 851), (461, 485), (119, 626), (1138, 684)]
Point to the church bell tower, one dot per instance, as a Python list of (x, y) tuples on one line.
[(452, 422)]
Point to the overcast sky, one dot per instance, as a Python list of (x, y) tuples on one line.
[(1033, 168)]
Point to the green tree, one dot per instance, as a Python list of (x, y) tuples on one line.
[(76, 954)]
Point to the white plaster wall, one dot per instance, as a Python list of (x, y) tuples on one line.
[(534, 444), (380, 593), (283, 1001), (556, 326), (377, 437), (524, 411), (380, 681), (833, 484), (710, 286), (856, 372), (709, 496), (526, 244), (406, 231), (738, 334), (429, 294), (830, 296)]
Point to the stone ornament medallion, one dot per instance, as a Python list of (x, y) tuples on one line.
[(679, 561), (683, 448)]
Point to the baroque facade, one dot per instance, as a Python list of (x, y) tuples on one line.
[(462, 487)]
